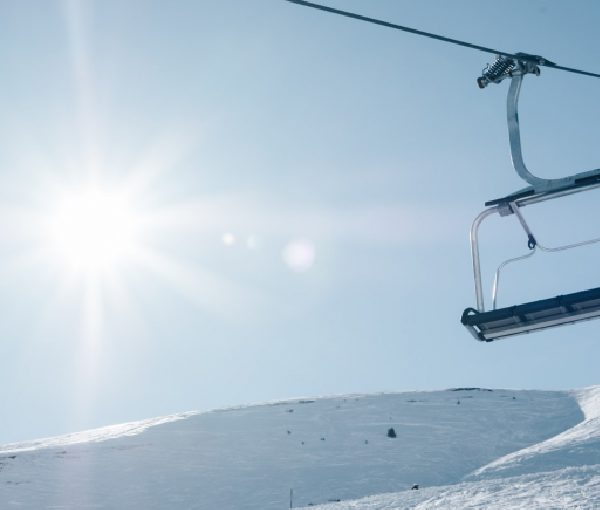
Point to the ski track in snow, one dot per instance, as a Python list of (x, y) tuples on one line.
[(467, 448)]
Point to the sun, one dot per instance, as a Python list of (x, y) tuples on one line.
[(93, 229)]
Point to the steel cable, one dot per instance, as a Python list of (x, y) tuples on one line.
[(518, 56)]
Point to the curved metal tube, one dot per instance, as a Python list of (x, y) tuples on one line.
[(527, 255), (475, 254), (514, 133), (514, 138), (497, 275), (569, 246), (517, 212)]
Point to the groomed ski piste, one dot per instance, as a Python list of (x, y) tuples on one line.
[(464, 447)]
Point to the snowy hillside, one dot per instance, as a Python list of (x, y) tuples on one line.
[(464, 447), (560, 472)]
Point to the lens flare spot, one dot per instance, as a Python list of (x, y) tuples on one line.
[(299, 255), (228, 239)]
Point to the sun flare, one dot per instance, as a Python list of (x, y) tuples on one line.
[(93, 229)]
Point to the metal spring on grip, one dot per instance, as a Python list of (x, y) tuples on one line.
[(496, 71), (499, 67)]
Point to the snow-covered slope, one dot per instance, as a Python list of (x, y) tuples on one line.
[(464, 447), (560, 472), (577, 446)]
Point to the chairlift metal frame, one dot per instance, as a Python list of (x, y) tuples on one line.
[(528, 317), (497, 323)]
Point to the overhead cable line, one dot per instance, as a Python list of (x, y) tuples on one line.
[(523, 57)]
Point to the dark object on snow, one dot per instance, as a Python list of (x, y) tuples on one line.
[(415, 487), (391, 433)]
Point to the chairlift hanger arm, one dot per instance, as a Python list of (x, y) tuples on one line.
[(539, 188), (506, 65)]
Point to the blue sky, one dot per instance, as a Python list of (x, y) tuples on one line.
[(251, 130)]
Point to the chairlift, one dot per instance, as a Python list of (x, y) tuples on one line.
[(496, 323), (489, 325)]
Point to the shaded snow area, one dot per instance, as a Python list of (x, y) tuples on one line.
[(466, 448)]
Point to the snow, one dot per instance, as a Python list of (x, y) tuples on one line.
[(578, 445), (94, 435), (466, 448), (560, 472), (564, 488)]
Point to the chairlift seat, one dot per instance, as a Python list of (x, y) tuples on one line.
[(533, 316)]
